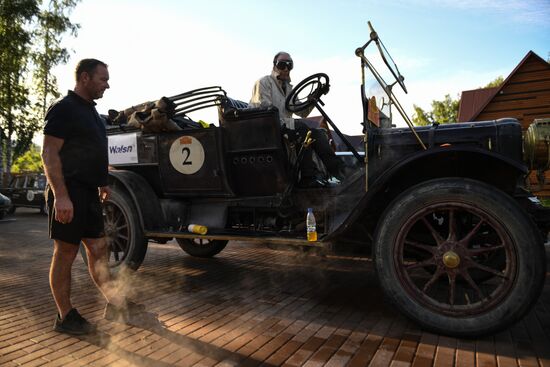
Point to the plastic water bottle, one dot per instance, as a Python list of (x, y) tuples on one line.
[(197, 228), (311, 226)]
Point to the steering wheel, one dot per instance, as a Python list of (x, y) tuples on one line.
[(307, 92)]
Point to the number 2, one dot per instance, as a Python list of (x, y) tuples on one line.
[(186, 153)]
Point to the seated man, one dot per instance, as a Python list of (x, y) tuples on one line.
[(272, 90)]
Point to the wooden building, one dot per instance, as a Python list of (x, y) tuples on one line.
[(524, 95)]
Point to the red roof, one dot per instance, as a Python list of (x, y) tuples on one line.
[(472, 101)]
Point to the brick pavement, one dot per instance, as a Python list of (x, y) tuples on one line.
[(251, 305)]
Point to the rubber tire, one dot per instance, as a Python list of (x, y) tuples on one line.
[(531, 257), (137, 247), (213, 248), (12, 209)]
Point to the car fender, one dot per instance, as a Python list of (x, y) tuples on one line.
[(489, 167), (145, 199), (452, 161)]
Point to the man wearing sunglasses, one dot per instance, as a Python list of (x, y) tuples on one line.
[(272, 90)]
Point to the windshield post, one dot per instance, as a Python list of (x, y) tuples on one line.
[(365, 125), (360, 52)]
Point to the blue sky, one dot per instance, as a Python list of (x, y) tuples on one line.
[(167, 47)]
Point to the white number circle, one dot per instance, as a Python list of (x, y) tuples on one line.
[(187, 155), (30, 196)]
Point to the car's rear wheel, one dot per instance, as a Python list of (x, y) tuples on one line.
[(459, 257), (201, 247), (125, 240)]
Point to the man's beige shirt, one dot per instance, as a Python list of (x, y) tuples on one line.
[(268, 91)]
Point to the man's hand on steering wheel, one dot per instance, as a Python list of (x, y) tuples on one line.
[(325, 88), (314, 96), (315, 85)]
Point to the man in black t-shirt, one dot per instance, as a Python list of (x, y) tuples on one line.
[(75, 161)]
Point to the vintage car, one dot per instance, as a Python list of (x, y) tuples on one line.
[(456, 238), (27, 190), (5, 205)]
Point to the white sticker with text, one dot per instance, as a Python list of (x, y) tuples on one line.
[(123, 148)]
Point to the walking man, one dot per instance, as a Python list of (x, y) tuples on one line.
[(75, 160)]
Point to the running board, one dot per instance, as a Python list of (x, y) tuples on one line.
[(231, 237)]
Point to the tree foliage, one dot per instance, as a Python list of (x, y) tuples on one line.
[(15, 47), (52, 24), (442, 112), (495, 83), (30, 161), (31, 32)]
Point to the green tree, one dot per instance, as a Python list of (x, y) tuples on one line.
[(53, 23), (495, 83), (442, 112), (30, 161), (30, 47), (15, 46)]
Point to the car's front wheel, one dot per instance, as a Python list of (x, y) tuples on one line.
[(459, 257)]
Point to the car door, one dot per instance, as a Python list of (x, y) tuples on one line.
[(35, 190), (17, 188)]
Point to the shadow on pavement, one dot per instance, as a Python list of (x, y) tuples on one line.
[(148, 321)]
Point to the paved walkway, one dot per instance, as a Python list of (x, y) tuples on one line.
[(251, 305)]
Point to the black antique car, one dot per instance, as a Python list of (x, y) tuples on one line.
[(27, 190), (443, 210)]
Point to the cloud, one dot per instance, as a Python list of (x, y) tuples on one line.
[(162, 54), (150, 78), (521, 11), (145, 64), (343, 103)]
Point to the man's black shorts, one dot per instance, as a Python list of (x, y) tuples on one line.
[(87, 217)]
